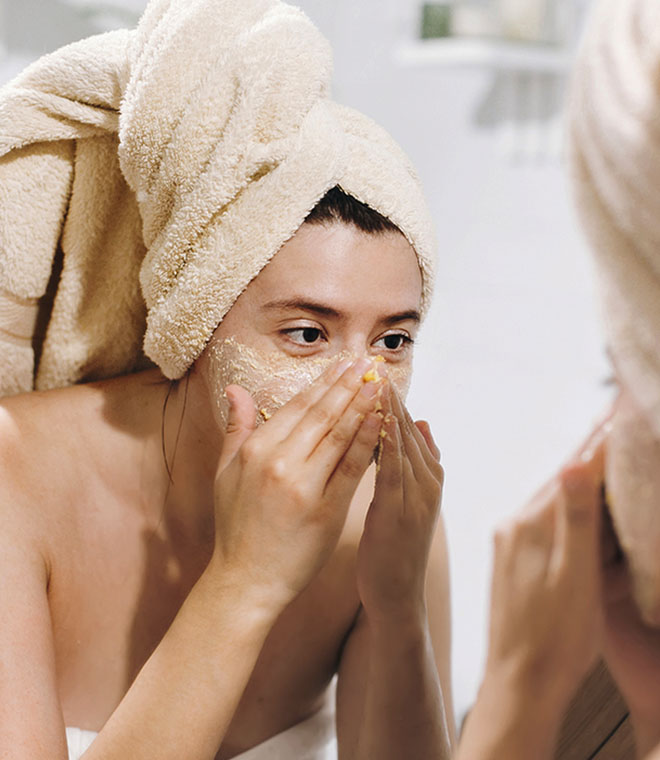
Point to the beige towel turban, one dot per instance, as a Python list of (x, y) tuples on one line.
[(186, 152), (615, 147), (615, 136)]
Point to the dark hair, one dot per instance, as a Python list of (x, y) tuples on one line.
[(338, 206)]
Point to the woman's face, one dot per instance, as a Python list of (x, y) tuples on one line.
[(331, 291)]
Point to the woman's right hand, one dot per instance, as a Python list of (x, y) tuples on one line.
[(283, 490)]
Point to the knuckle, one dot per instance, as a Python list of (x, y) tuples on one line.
[(299, 402), (339, 437), (276, 470), (321, 415), (250, 450), (352, 467), (436, 491), (296, 493), (432, 487)]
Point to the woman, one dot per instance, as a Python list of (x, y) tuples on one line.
[(580, 597), (178, 579)]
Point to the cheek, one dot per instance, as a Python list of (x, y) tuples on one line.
[(400, 376), (272, 378), (633, 484)]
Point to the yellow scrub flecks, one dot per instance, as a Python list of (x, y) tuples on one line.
[(273, 378)]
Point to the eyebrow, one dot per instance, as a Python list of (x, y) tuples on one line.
[(327, 311)]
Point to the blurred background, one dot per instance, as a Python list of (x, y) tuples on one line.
[(511, 369)]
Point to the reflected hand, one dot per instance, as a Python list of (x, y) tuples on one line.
[(545, 610), (546, 618)]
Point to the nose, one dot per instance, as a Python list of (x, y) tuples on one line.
[(356, 346)]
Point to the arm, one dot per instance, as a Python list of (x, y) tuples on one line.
[(294, 476), (390, 701), (31, 724), (393, 670)]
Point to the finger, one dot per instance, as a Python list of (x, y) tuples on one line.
[(389, 479), (350, 391), (578, 525), (523, 550), (241, 421), (332, 448), (610, 548), (414, 445), (351, 467), (425, 429), (287, 417), (592, 451), (543, 501)]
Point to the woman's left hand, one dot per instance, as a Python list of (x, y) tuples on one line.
[(394, 550)]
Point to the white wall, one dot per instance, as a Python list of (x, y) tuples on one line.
[(510, 365)]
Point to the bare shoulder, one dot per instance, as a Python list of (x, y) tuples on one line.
[(35, 434), (20, 481), (24, 423)]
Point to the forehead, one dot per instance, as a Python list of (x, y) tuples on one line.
[(339, 263)]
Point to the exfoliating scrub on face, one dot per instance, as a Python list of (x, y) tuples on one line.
[(273, 378)]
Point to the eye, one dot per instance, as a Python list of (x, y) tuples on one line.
[(304, 336), (394, 341)]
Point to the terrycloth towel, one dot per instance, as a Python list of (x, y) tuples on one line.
[(615, 148), (151, 174), (311, 739), (615, 151)]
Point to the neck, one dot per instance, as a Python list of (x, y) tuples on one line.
[(190, 444), (172, 444)]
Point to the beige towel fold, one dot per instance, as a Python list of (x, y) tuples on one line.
[(187, 151), (68, 218)]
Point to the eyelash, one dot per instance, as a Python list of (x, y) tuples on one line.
[(406, 340)]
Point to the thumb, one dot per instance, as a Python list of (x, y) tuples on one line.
[(241, 421)]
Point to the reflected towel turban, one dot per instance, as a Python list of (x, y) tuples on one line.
[(615, 155)]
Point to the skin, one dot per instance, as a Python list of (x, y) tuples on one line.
[(563, 595), (124, 591), (546, 615), (631, 645)]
